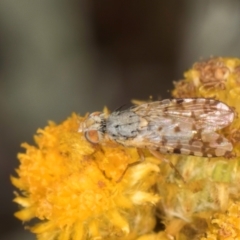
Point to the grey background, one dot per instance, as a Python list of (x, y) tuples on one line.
[(59, 57)]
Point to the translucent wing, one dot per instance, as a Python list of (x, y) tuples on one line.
[(185, 126), (202, 112)]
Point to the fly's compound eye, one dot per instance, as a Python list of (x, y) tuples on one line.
[(92, 136)]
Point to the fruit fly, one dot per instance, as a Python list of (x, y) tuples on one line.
[(172, 126)]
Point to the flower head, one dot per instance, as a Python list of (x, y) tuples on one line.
[(79, 191), (209, 183), (225, 225)]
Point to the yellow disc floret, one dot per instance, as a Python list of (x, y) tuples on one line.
[(81, 191)]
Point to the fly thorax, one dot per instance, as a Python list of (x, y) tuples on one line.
[(122, 125)]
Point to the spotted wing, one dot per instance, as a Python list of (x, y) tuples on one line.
[(184, 126)]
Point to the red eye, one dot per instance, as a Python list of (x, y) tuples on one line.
[(92, 136)]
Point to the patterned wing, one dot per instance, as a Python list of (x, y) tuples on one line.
[(185, 126)]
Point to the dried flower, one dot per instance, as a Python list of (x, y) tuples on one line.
[(210, 183)]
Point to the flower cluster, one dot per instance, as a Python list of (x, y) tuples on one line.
[(77, 190)]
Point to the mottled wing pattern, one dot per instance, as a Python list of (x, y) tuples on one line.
[(184, 126)]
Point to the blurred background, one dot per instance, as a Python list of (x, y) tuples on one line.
[(64, 56)]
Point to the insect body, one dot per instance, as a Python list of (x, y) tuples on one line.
[(183, 126)]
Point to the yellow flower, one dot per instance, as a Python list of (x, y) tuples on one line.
[(210, 183), (77, 190), (80, 191), (225, 226)]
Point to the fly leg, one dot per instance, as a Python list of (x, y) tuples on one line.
[(141, 159), (159, 156)]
